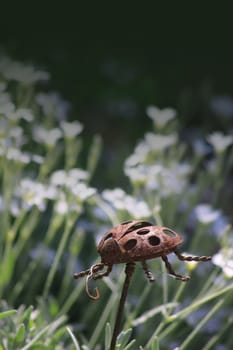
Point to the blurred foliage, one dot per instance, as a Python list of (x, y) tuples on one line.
[(55, 204)]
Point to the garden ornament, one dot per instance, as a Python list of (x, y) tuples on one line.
[(134, 241), (128, 243)]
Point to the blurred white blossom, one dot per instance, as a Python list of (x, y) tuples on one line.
[(220, 141), (21, 113), (68, 178), (160, 117), (224, 259), (81, 191), (33, 193), (71, 129), (52, 104), (24, 73), (204, 213), (17, 155), (122, 201), (152, 144), (159, 142), (166, 180), (61, 204), (47, 137), (6, 105)]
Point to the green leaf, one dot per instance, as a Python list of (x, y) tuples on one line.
[(20, 334), (123, 339), (7, 313), (7, 268), (77, 347), (108, 335), (155, 344), (130, 345)]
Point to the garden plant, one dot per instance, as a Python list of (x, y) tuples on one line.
[(53, 216)]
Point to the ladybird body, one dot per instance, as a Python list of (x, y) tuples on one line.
[(133, 241), (136, 241)]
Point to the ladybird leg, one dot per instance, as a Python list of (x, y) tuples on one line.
[(81, 274), (172, 272), (191, 257), (147, 272), (103, 274)]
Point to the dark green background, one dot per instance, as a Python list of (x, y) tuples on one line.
[(167, 55)]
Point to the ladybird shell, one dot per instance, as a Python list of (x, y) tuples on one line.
[(136, 241)]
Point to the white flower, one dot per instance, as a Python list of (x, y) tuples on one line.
[(61, 204), (71, 129), (21, 113), (53, 105), (205, 214), (6, 105), (224, 259), (151, 143), (137, 174), (160, 117), (122, 201), (48, 137), (34, 193), (220, 141), (37, 158), (159, 142), (17, 155), (68, 178), (139, 156), (82, 191), (26, 74), (156, 177)]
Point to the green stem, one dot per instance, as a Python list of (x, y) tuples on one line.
[(200, 325), (186, 311), (57, 258), (102, 321), (215, 339)]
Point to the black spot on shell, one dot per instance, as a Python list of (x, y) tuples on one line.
[(154, 240), (143, 231), (130, 244), (109, 236), (137, 226)]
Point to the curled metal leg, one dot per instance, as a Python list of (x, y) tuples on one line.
[(93, 273), (172, 272), (97, 294)]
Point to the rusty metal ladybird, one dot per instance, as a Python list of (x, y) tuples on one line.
[(134, 241)]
